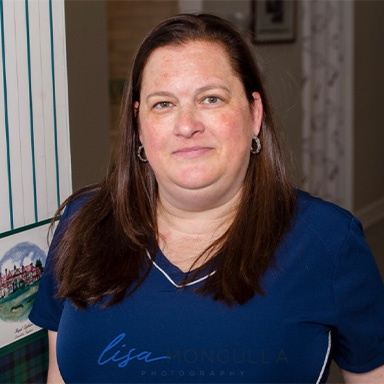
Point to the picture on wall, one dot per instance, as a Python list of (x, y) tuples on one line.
[(22, 260), (274, 21)]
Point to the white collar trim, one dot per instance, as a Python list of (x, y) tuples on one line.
[(171, 281)]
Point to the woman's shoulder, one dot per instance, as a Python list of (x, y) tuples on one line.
[(327, 221), (317, 208), (77, 200)]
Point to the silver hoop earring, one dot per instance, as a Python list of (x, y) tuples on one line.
[(256, 150), (141, 158)]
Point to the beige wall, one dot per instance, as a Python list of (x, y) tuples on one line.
[(369, 103), (281, 63), (88, 69), (97, 59), (87, 90), (128, 23)]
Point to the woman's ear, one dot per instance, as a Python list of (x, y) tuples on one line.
[(136, 105), (135, 109), (257, 108)]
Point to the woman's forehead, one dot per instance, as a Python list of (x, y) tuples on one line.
[(200, 57), (191, 45)]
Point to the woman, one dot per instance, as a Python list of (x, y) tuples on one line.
[(195, 260)]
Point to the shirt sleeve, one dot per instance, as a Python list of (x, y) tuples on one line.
[(358, 339), (47, 308)]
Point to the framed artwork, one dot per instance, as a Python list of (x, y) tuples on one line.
[(274, 21), (22, 258)]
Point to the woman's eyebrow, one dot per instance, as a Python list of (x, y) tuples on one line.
[(198, 91), (159, 93), (209, 87)]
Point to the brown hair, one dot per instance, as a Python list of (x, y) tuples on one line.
[(116, 225)]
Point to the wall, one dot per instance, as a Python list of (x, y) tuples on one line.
[(369, 106), (281, 63), (128, 23), (87, 57)]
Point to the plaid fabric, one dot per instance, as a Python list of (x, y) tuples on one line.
[(25, 363)]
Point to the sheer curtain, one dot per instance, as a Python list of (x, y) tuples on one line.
[(327, 99)]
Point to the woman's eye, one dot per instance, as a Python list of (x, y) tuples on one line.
[(211, 100), (163, 104)]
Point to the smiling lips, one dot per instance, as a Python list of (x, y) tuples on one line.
[(192, 152)]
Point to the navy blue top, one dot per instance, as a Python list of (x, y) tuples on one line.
[(324, 300)]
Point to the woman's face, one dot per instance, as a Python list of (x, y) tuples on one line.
[(196, 123)]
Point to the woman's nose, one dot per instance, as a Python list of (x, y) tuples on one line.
[(188, 122)]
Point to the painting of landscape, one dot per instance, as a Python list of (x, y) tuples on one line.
[(22, 260)]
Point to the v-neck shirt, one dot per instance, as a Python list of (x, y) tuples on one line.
[(324, 300)]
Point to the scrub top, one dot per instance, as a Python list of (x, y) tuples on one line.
[(324, 300)]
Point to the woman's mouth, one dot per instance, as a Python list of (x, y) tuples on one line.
[(192, 152)]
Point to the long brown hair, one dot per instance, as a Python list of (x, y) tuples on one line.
[(117, 223)]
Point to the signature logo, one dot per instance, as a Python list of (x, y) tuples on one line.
[(114, 353)]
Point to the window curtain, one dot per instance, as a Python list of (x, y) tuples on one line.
[(326, 98)]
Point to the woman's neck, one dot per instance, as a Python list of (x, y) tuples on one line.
[(184, 234)]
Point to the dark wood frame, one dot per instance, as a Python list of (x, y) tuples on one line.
[(285, 33)]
